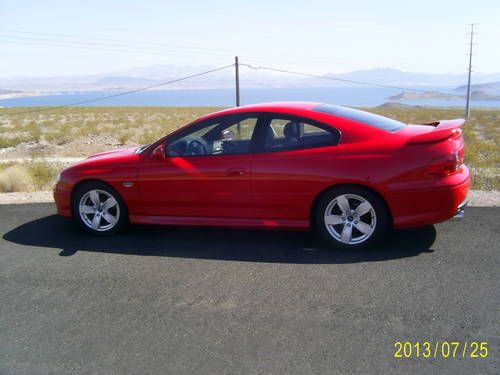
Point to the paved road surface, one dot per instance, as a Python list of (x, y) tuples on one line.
[(165, 300)]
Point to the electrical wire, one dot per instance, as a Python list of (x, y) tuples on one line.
[(365, 83), (127, 45), (123, 92), (120, 41), (106, 47)]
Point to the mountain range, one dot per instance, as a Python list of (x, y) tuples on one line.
[(154, 75)]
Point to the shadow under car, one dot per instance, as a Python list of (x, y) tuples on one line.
[(272, 246)]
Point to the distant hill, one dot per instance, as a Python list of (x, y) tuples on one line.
[(6, 92), (412, 95), (394, 105), (397, 77), (489, 86), (482, 95), (151, 75)]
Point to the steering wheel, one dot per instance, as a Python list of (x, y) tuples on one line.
[(196, 147)]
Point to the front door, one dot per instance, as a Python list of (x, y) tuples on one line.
[(205, 172)]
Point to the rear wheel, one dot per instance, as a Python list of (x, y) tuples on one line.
[(99, 209), (352, 217)]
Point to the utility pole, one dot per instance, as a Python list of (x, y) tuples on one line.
[(467, 104), (237, 78)]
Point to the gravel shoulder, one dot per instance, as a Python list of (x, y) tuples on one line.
[(478, 198)]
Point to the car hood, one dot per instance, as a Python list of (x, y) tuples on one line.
[(114, 157), (114, 153)]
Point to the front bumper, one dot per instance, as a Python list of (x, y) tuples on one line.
[(62, 197)]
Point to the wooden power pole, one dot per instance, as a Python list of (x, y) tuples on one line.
[(467, 103), (237, 80)]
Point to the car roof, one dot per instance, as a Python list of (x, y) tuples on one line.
[(331, 111), (269, 107)]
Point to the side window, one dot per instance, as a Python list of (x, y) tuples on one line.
[(242, 130), (232, 135), (287, 134)]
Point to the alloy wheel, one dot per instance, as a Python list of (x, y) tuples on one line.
[(350, 219), (99, 210)]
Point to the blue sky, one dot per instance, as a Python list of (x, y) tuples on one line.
[(313, 36)]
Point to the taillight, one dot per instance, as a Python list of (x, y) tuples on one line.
[(446, 165)]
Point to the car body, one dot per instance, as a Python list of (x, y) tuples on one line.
[(270, 165)]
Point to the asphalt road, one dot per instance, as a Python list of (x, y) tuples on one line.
[(179, 300)]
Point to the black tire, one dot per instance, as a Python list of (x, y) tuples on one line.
[(333, 234), (104, 191)]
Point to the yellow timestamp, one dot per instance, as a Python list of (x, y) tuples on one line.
[(441, 349)]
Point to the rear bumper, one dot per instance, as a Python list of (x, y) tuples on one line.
[(445, 201), (460, 210)]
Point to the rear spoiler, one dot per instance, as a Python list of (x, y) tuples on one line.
[(443, 130)]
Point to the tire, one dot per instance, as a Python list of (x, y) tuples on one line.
[(99, 209), (351, 217)]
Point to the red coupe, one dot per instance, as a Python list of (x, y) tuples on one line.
[(349, 174)]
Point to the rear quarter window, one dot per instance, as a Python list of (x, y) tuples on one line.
[(293, 133), (368, 118)]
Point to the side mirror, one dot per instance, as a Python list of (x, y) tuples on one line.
[(159, 152)]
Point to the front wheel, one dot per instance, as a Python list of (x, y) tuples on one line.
[(352, 217), (99, 209)]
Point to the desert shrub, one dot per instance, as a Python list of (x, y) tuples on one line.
[(13, 141), (43, 174), (145, 137), (123, 138), (15, 178), (34, 131)]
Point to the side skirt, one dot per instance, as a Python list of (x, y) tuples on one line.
[(221, 222)]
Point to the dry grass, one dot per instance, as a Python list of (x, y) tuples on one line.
[(28, 176), (81, 131), (15, 178), (118, 126)]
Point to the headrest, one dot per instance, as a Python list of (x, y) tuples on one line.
[(291, 130)]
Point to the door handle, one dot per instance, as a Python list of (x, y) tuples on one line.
[(236, 172)]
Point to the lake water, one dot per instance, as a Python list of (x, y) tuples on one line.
[(351, 96)]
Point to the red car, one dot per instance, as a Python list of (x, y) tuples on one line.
[(349, 174)]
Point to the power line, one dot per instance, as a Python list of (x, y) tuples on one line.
[(122, 41), (109, 47), (142, 45), (123, 92), (374, 84), (155, 49), (112, 49)]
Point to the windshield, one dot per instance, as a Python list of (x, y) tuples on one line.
[(368, 118)]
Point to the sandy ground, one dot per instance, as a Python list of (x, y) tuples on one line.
[(64, 160), (22, 197), (477, 198)]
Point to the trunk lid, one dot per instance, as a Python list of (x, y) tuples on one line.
[(434, 131), (438, 146)]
